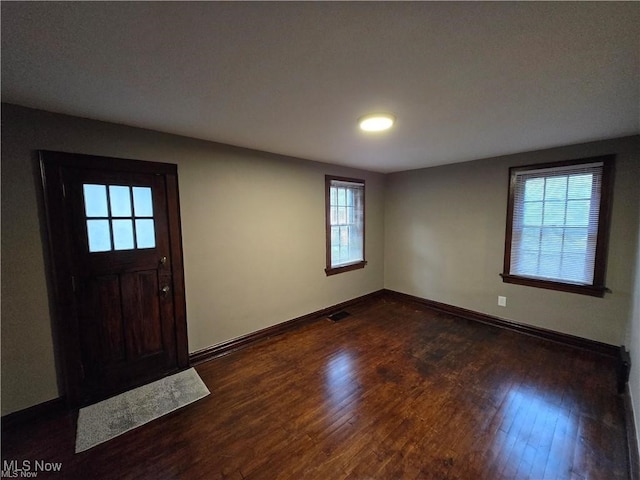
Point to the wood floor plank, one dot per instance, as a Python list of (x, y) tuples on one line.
[(394, 391)]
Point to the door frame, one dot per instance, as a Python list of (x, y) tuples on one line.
[(59, 228)]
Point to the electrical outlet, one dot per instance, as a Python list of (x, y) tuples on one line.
[(502, 301)]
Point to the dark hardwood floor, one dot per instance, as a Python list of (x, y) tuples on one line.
[(394, 391)]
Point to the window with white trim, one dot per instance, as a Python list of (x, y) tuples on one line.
[(557, 225), (344, 199)]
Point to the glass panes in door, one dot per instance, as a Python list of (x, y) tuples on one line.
[(118, 217)]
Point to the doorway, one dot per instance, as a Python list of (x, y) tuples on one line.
[(116, 255)]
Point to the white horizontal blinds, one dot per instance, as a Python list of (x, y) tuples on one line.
[(555, 223), (346, 205)]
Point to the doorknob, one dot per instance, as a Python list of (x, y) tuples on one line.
[(164, 290), (163, 260)]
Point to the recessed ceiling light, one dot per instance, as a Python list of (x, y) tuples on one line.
[(376, 122)]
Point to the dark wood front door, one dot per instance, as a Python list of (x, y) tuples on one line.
[(116, 251)]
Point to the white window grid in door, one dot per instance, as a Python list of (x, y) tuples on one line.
[(118, 217)]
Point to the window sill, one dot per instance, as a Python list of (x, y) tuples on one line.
[(344, 268), (592, 290)]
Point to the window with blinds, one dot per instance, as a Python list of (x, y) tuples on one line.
[(557, 225), (345, 224)]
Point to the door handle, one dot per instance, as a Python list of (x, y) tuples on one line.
[(164, 291), (163, 261)]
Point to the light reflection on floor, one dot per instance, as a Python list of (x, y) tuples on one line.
[(340, 381), (533, 426)]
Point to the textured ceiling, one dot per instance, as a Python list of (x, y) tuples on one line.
[(465, 80)]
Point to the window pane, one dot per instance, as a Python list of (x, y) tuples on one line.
[(142, 202), (551, 240), (580, 186), (578, 213), (344, 236), (95, 200), (534, 189), (525, 264), (532, 214), (122, 234), (342, 215), (556, 188), (343, 243), (355, 245), (99, 235), (554, 213), (342, 197), (573, 268), (530, 239), (575, 240), (335, 236), (335, 254), (350, 218), (145, 233), (120, 201), (549, 266), (334, 196)]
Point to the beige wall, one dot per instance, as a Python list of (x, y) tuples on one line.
[(253, 233), (444, 241), (253, 237), (633, 344)]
